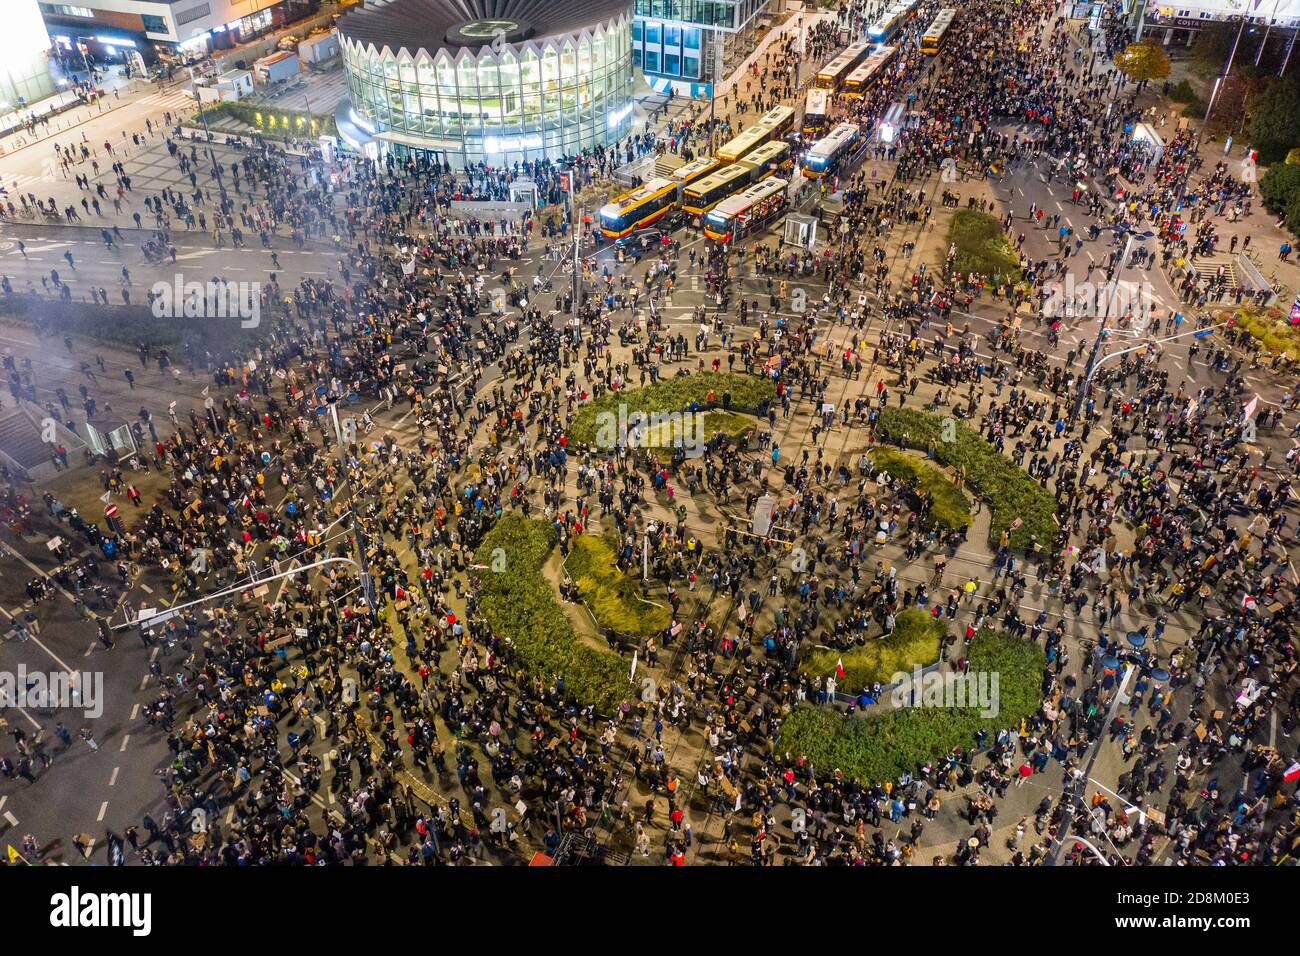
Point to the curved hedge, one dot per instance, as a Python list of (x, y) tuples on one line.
[(520, 604), (914, 640), (677, 394), (950, 508), (983, 246), (879, 749), (610, 593), (1010, 493)]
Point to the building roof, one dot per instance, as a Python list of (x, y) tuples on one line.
[(437, 24)]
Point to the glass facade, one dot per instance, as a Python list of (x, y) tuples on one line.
[(551, 96), (675, 39), (24, 57)]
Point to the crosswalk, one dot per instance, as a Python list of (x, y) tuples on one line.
[(22, 184), (168, 99)]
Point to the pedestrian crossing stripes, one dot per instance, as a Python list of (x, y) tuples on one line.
[(19, 185)]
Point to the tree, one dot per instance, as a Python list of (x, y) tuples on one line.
[(1213, 41), (1275, 118), (1279, 186), (1143, 61)]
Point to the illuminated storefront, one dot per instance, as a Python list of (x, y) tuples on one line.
[(24, 56), (548, 78)]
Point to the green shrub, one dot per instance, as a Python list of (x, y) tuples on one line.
[(951, 507), (521, 604), (678, 394), (1269, 327), (1293, 157), (611, 594), (1279, 186), (914, 640), (1193, 108), (983, 247), (1011, 494), (881, 748), (1182, 92)]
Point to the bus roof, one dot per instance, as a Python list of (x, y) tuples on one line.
[(747, 197), (724, 175), (647, 190), (849, 54), (836, 138)]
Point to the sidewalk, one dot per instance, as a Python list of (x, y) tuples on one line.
[(135, 89)]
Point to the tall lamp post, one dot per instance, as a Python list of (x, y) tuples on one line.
[(1223, 77), (1103, 330)]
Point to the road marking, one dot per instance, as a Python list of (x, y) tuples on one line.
[(153, 654), (103, 811), (112, 780), (144, 681), (6, 614), (146, 589), (90, 650), (135, 711), (125, 740), (13, 820)]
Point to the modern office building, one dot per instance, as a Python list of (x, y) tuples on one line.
[(24, 57), (1177, 22), (687, 45), (491, 81), (109, 29)]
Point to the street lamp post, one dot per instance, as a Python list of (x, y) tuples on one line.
[(1120, 698), (1101, 332), (1083, 386), (358, 535), (1222, 77)]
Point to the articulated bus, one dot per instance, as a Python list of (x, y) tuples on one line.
[(890, 22), (937, 32), (693, 171), (816, 109), (831, 76), (699, 198), (773, 124), (828, 152), (640, 207), (770, 158), (866, 74), (735, 214)]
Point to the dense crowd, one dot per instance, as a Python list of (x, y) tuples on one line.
[(367, 711)]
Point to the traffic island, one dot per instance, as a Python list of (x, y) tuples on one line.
[(520, 605), (942, 504), (610, 593), (1005, 671), (914, 642), (1021, 507)]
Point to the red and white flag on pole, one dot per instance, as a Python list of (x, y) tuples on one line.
[(839, 668), (1292, 772)]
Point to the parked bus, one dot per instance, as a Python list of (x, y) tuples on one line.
[(773, 124), (693, 171), (828, 152), (736, 214), (937, 32), (831, 76), (890, 22), (816, 112), (638, 208), (770, 158), (700, 197), (865, 75)]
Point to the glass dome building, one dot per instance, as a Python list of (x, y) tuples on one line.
[(489, 80)]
